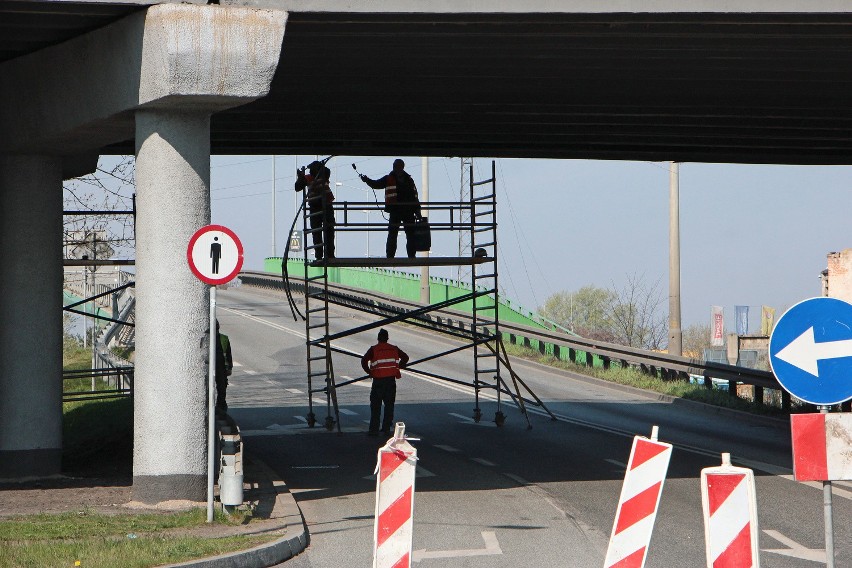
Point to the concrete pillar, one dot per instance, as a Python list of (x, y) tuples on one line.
[(172, 307), (30, 316)]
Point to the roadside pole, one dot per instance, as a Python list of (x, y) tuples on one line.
[(215, 256), (211, 404), (828, 512)]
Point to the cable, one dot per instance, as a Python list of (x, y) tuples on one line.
[(517, 239)]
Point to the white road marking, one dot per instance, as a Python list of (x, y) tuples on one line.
[(492, 547), (236, 364), (794, 549), (469, 420), (249, 372), (517, 479), (447, 448), (295, 391), (617, 463), (483, 462), (348, 412), (301, 419)]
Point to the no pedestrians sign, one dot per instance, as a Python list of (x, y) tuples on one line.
[(215, 254)]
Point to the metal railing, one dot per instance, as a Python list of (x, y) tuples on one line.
[(119, 381)]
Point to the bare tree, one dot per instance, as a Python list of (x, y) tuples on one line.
[(696, 338), (629, 315), (635, 314), (109, 188)]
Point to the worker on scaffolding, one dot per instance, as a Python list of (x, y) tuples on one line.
[(319, 199), (383, 362), (401, 204)]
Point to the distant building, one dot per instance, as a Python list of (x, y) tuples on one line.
[(837, 278)]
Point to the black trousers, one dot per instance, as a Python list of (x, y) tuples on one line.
[(383, 392), (325, 219), (395, 218)]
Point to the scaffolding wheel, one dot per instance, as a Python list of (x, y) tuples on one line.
[(477, 415), (499, 418), (329, 423), (312, 419)]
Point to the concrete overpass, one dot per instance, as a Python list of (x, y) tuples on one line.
[(758, 81)]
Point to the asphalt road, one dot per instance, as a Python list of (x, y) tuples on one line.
[(509, 496)]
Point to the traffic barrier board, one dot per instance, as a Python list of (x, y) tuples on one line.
[(393, 529), (730, 516), (810, 351), (637, 506), (822, 446)]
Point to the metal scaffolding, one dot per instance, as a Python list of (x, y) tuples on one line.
[(477, 217)]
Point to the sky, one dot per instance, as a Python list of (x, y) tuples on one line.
[(750, 234)]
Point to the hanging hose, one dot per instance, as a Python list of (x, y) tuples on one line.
[(285, 276)]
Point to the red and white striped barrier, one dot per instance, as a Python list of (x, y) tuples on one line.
[(730, 516), (393, 530), (637, 506), (821, 446)]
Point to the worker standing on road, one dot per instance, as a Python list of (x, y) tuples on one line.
[(383, 362), (401, 203), (319, 198), (224, 367)]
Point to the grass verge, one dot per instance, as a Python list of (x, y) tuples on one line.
[(106, 541), (635, 378)]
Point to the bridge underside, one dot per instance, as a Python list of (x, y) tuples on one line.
[(687, 87)]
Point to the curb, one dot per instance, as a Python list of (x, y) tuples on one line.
[(271, 553)]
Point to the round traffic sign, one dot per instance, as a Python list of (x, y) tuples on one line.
[(215, 254), (810, 351)]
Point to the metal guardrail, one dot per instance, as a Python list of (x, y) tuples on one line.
[(580, 350), (123, 386)]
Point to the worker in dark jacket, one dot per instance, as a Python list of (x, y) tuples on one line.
[(383, 362), (401, 203), (319, 198), (224, 367)]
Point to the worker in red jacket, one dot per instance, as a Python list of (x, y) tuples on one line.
[(383, 362)]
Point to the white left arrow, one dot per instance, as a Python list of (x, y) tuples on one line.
[(803, 352)]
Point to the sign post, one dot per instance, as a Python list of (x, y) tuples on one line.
[(810, 352), (215, 256)]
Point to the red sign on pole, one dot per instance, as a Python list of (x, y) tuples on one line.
[(215, 254)]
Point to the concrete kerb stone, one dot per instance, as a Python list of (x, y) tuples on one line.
[(285, 517)]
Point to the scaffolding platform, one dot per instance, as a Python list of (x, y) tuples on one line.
[(381, 262)]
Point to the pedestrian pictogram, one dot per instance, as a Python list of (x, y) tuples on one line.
[(393, 530), (810, 351), (215, 254), (637, 506), (730, 516), (822, 447)]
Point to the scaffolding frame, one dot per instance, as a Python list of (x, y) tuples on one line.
[(478, 217)]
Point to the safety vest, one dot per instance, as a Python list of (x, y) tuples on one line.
[(385, 361), (390, 190)]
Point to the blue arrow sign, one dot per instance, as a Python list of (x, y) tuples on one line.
[(810, 351)]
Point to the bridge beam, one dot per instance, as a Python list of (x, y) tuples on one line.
[(30, 316)]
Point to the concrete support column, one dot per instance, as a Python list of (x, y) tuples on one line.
[(30, 316), (172, 307)]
